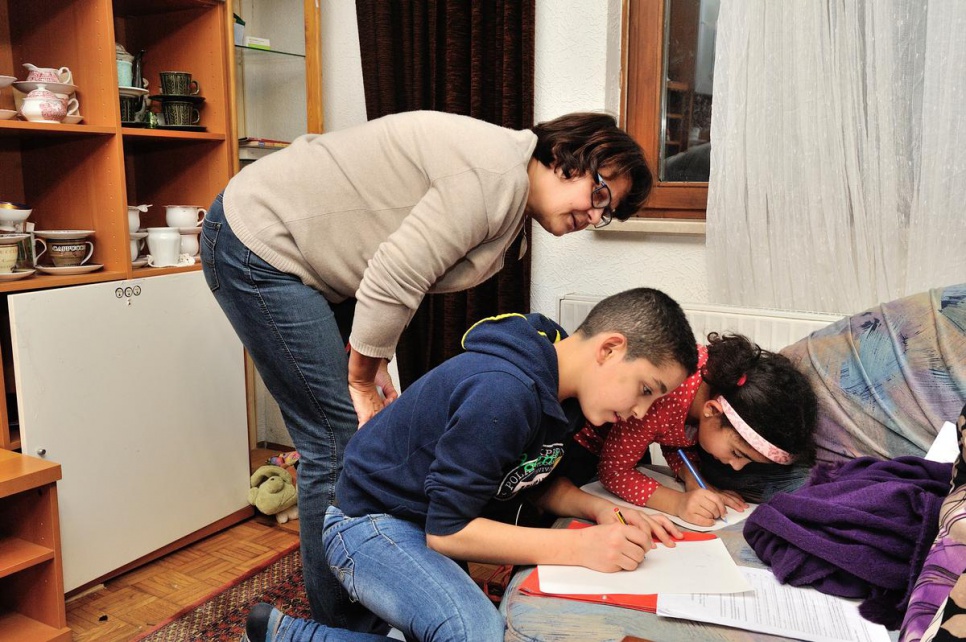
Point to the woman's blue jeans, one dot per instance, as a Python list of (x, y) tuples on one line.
[(292, 335)]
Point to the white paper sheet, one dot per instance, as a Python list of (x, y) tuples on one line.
[(731, 517), (688, 567), (945, 448), (799, 613)]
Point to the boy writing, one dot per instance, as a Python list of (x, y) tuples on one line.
[(420, 479)]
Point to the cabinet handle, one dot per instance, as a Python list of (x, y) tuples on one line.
[(41, 452)]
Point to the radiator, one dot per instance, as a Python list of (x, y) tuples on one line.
[(771, 329)]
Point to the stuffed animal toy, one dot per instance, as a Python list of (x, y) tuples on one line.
[(273, 493)]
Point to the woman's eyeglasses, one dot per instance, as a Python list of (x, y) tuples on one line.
[(600, 200)]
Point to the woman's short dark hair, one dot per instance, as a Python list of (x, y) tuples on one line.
[(586, 142)]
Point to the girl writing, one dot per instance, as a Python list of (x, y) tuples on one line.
[(743, 405)]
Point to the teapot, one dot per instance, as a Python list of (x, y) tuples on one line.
[(48, 74), (43, 106)]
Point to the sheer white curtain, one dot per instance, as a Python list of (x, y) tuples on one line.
[(838, 164)]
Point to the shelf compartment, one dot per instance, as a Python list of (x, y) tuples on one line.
[(174, 171), (15, 626), (70, 183), (17, 554), (194, 40), (62, 33)]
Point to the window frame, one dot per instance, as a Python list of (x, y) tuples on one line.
[(642, 64)]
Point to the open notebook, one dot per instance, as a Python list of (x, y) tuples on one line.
[(732, 516)]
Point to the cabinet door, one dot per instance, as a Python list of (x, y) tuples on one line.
[(137, 389)]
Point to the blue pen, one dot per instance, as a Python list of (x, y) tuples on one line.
[(694, 471)]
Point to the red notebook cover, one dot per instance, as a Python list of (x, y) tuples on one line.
[(531, 585)]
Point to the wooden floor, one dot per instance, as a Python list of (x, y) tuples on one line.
[(135, 601)]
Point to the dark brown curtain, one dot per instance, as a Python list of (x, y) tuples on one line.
[(464, 57)]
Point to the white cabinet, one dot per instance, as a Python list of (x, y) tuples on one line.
[(137, 388)]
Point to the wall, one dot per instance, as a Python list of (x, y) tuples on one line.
[(577, 68)]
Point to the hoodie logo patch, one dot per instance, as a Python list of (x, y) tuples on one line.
[(530, 472)]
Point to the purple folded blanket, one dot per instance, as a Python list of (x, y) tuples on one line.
[(860, 529)]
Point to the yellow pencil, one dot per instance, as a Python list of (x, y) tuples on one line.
[(620, 516)]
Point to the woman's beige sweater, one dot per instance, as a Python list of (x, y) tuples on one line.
[(386, 211)]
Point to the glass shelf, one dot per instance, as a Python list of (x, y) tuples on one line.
[(268, 51)]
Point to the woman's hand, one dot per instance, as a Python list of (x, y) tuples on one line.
[(384, 381), (365, 373), (366, 400)]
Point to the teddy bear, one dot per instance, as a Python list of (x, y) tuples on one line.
[(273, 493)]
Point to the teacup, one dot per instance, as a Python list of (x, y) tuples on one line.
[(164, 246), (179, 113), (8, 257), (178, 83), (137, 243), (189, 241), (71, 104), (184, 215), (132, 107), (49, 74), (67, 252)]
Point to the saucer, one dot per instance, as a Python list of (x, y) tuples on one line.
[(183, 260), (16, 275), (63, 234), (10, 239), (27, 86), (136, 236), (72, 119), (190, 230), (141, 262), (6, 80), (197, 100), (7, 114), (132, 91), (70, 269), (184, 128)]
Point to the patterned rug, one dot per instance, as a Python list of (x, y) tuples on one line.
[(221, 617)]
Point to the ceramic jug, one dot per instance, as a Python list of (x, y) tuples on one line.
[(43, 106), (48, 74)]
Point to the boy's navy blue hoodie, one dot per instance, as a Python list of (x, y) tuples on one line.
[(479, 428)]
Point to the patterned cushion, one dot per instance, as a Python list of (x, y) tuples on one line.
[(889, 377)]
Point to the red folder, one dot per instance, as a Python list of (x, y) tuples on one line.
[(648, 603)]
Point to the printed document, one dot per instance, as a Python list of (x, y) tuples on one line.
[(778, 609)]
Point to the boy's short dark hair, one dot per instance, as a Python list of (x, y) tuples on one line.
[(653, 323), (586, 142)]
